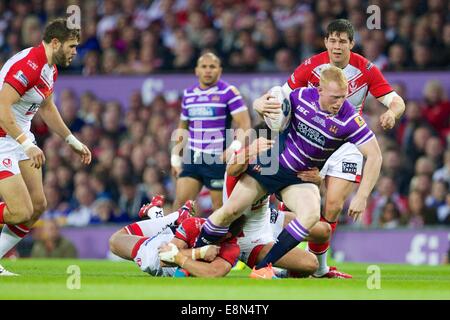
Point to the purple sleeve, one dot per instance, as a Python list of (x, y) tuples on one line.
[(358, 131), (235, 102), (184, 111)]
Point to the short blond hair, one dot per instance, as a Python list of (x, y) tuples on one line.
[(333, 74)]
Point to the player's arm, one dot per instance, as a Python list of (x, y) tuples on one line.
[(267, 106), (242, 155), (219, 267), (50, 114), (381, 89), (9, 96), (396, 108), (371, 151), (206, 253), (180, 136)]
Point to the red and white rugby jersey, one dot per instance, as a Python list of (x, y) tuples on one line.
[(30, 75), (362, 75)]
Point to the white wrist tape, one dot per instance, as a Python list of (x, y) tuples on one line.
[(27, 144), (202, 251), (387, 99), (74, 142), (175, 160), (169, 256)]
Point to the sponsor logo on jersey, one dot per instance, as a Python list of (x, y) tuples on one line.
[(352, 86), (349, 167), (7, 163), (202, 99), (303, 110), (293, 78), (32, 110), (201, 112), (181, 231), (360, 121), (311, 134), (333, 129), (319, 120), (189, 100), (33, 65), (20, 76), (273, 215), (215, 98), (369, 65)]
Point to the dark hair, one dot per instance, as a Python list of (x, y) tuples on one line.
[(341, 26), (59, 29)]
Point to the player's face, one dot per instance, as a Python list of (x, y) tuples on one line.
[(332, 96), (338, 47), (66, 52), (208, 71)]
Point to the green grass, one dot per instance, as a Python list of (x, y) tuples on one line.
[(46, 279)]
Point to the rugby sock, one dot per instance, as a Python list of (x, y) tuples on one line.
[(149, 228), (289, 238), (320, 250), (210, 233), (10, 236)]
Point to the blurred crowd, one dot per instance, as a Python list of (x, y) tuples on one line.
[(130, 144), (131, 161), (151, 36)]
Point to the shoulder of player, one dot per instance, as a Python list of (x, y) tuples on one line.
[(360, 62), (304, 93)]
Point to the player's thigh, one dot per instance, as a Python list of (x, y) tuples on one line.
[(14, 193), (33, 180), (122, 244), (246, 191), (187, 188), (304, 201), (338, 190), (216, 198)]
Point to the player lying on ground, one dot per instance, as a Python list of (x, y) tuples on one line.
[(163, 243), (320, 122)]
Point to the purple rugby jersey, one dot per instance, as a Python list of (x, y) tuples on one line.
[(313, 135), (208, 112)]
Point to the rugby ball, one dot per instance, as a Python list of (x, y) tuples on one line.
[(282, 119)]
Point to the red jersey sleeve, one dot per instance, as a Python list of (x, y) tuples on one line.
[(378, 85), (299, 78), (229, 251), (23, 75)]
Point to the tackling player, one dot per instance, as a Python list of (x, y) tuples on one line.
[(27, 80), (344, 167), (162, 243)]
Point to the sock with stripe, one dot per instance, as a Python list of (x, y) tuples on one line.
[(321, 249), (210, 233), (11, 235), (289, 238)]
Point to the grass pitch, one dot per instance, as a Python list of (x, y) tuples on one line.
[(99, 279)]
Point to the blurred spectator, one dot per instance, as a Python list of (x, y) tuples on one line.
[(418, 215), (443, 211), (390, 216), (81, 215), (51, 244), (437, 107), (444, 172)]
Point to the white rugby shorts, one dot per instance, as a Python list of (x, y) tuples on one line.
[(147, 257), (345, 163)]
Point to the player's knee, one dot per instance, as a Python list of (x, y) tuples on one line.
[(334, 206), (40, 206), (113, 243), (325, 233), (24, 215)]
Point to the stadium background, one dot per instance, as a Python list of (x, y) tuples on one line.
[(121, 96)]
